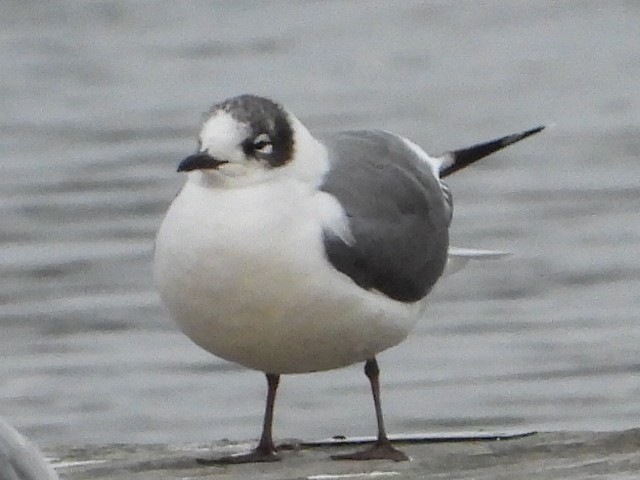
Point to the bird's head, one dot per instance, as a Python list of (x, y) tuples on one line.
[(249, 139)]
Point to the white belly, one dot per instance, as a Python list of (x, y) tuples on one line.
[(244, 274)]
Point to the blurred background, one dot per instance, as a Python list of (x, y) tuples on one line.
[(100, 100)]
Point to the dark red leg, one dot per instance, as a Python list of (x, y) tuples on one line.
[(266, 450), (382, 449)]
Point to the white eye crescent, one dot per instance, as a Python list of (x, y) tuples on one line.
[(262, 144)]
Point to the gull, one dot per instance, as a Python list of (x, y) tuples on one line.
[(20, 459), (288, 252)]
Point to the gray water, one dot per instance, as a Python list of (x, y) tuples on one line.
[(100, 100)]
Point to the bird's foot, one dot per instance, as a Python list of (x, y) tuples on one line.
[(259, 455), (379, 451)]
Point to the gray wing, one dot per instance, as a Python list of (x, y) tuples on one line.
[(396, 210), (20, 459)]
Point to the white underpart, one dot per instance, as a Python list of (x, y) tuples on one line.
[(242, 267)]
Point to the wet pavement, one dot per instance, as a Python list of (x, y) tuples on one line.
[(551, 456)]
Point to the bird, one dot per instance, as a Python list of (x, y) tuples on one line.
[(20, 459), (290, 252)]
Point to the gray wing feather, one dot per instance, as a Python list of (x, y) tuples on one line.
[(396, 210)]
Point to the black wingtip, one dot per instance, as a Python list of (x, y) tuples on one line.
[(466, 156)]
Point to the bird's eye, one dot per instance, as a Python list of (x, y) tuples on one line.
[(262, 143)]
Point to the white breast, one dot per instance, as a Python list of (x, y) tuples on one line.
[(243, 272)]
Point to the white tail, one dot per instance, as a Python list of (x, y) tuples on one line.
[(459, 257)]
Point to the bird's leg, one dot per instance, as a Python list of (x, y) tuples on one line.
[(266, 446), (266, 450), (382, 449)]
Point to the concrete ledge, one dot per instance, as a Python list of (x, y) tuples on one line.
[(515, 455)]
